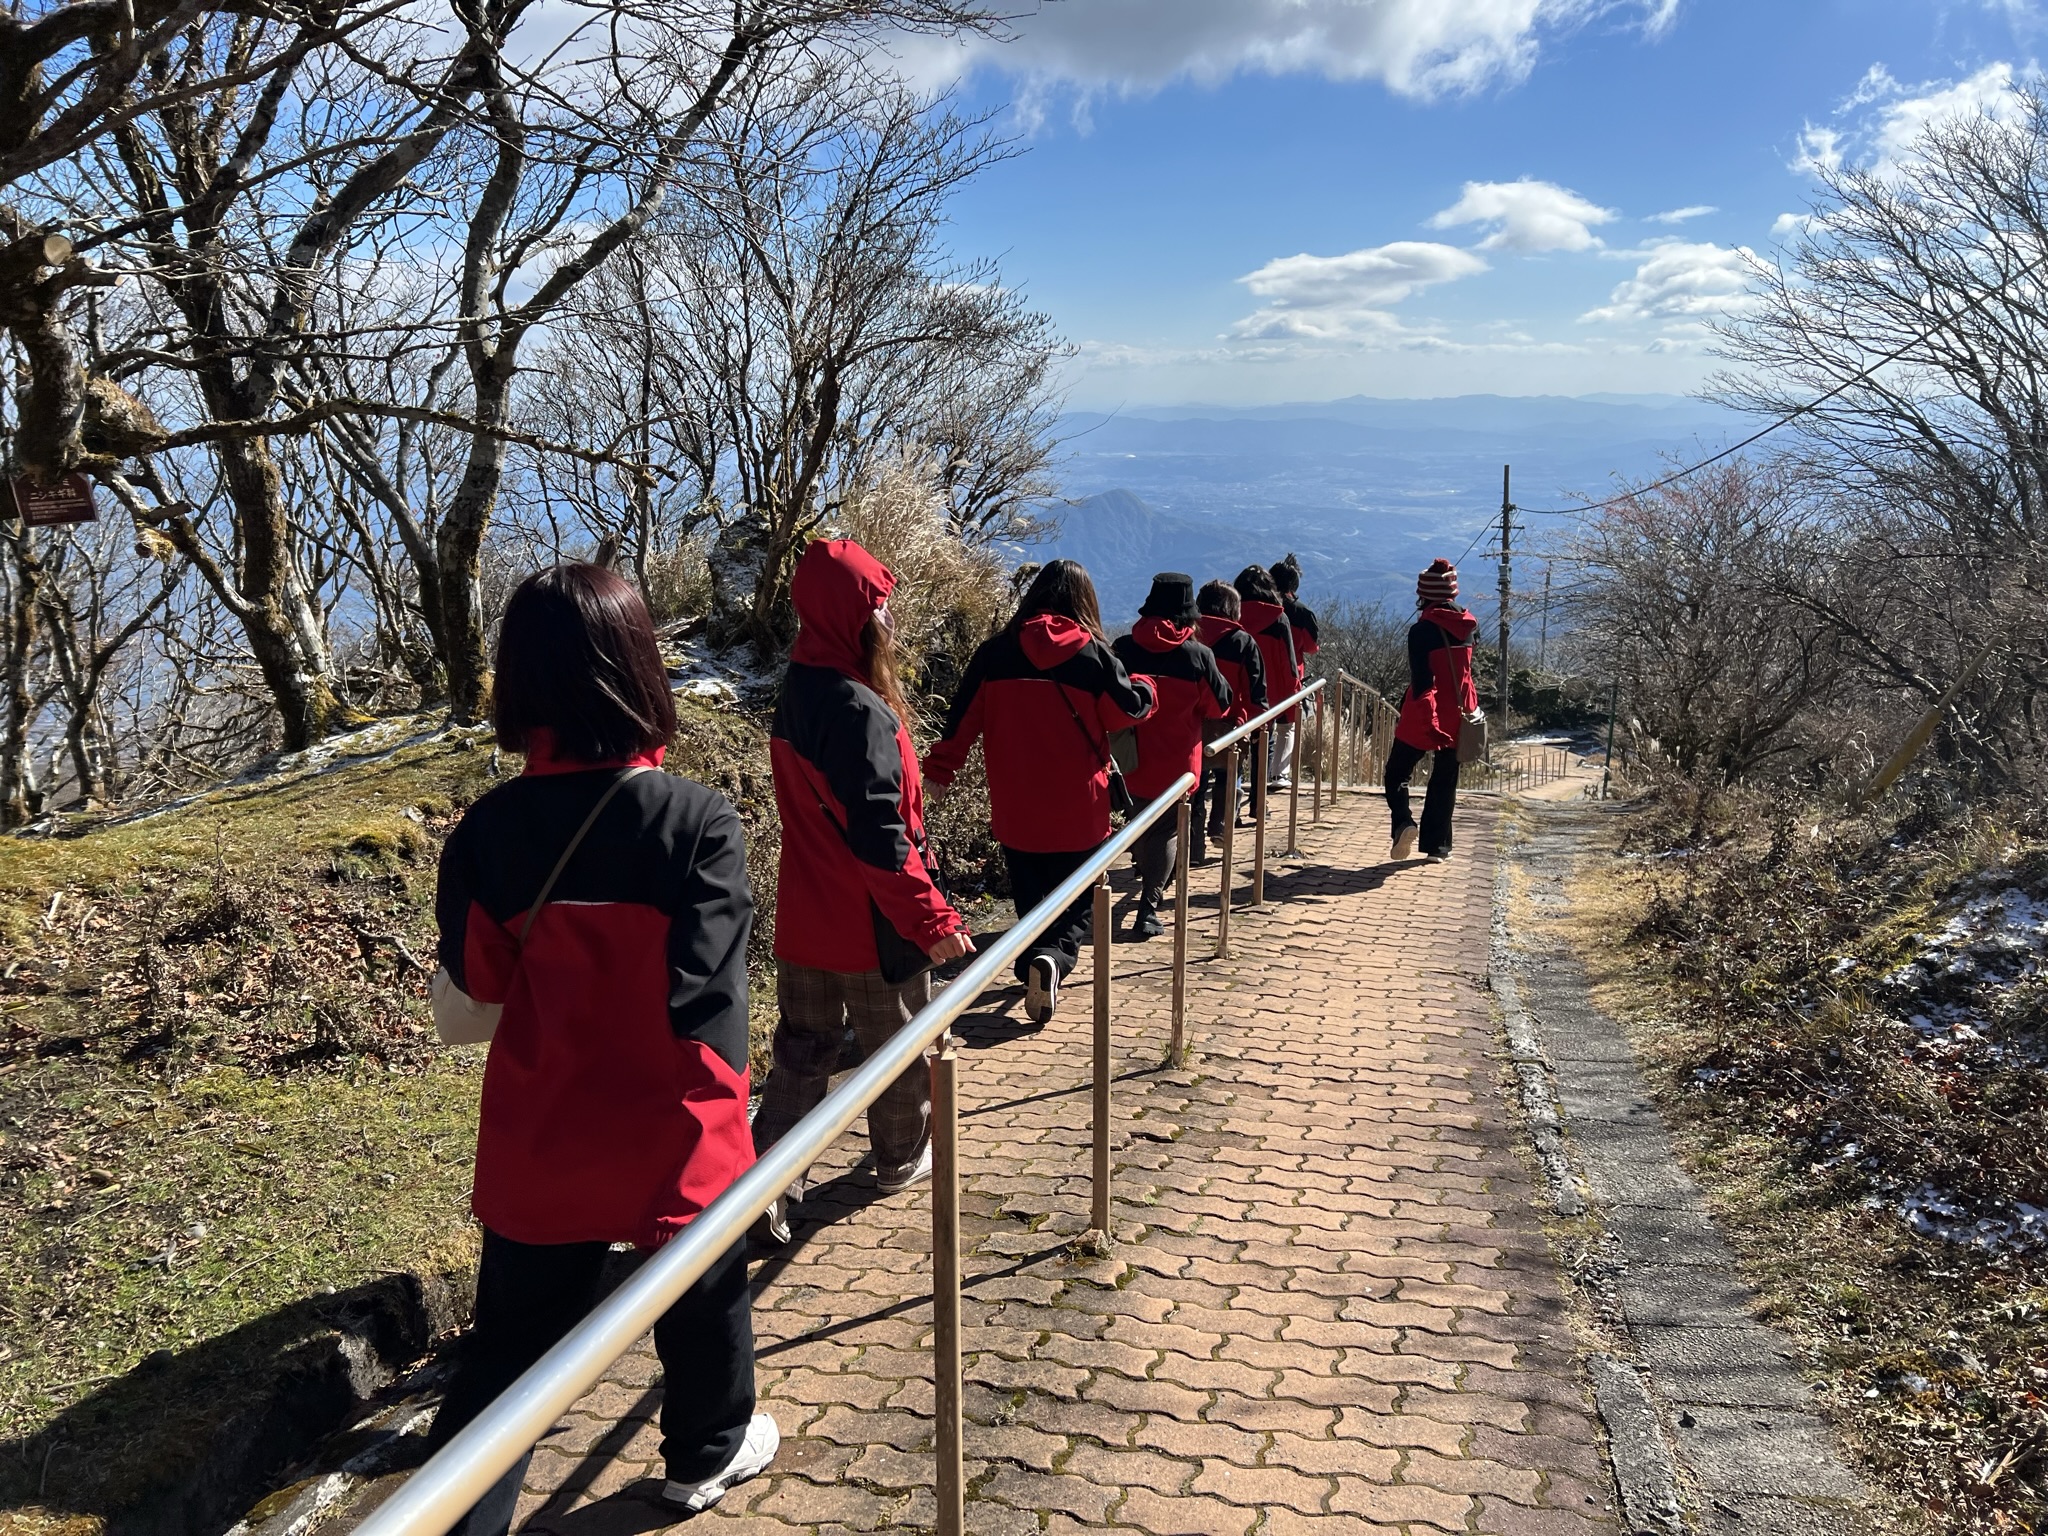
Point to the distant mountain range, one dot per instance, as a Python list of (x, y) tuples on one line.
[(1366, 491)]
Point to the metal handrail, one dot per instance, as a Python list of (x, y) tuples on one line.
[(463, 1470), (1225, 742)]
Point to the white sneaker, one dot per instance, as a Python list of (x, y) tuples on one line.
[(750, 1460), (916, 1173), (1405, 841), (1041, 989)]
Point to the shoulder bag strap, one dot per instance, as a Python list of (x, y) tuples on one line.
[(548, 887), (1103, 759)]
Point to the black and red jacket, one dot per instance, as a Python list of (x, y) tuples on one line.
[(1237, 657), (1192, 691), (1043, 701), (846, 782), (615, 1096), (1267, 624), (1441, 692), (1306, 632)]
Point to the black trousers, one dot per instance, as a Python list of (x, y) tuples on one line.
[(1214, 803), (1438, 804), (528, 1295), (1035, 876)]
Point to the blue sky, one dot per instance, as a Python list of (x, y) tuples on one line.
[(1242, 201)]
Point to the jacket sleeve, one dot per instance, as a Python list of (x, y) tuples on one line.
[(474, 949), (1308, 631), (1420, 678), (863, 767), (1123, 700), (707, 940), (1255, 670), (963, 726), (1216, 700)]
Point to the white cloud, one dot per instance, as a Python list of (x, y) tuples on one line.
[(1684, 215), (1878, 124), (1788, 225), (1329, 298), (1421, 48), (1527, 216), (1679, 281)]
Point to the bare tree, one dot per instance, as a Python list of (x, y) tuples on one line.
[(1915, 310)]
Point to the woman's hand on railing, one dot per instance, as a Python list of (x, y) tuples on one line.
[(951, 947)]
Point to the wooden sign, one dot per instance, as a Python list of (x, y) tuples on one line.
[(45, 506)]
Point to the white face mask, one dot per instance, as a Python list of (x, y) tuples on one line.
[(882, 618)]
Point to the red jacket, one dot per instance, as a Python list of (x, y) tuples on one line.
[(1267, 624), (615, 1096), (1192, 691), (846, 783), (1042, 701), (1441, 692), (1237, 656)]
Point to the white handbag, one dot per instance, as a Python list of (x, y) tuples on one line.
[(460, 1019)]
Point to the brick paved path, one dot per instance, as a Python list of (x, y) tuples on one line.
[(1331, 1307)]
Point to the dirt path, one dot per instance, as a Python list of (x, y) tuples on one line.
[(1331, 1306)]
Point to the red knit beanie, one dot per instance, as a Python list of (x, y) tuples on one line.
[(1438, 586)]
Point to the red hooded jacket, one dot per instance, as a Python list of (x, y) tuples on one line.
[(1267, 624), (1192, 691), (1307, 633), (1237, 656), (615, 1095), (1440, 687), (1042, 699), (846, 782)]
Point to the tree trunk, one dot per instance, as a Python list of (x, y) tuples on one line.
[(458, 553), (16, 805)]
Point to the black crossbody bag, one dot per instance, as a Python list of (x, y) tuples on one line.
[(898, 958), (1120, 798)]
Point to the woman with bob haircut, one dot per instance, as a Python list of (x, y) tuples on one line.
[(594, 915), (1042, 698)]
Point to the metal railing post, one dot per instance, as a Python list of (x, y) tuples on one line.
[(1294, 798), (1322, 754), (1180, 933), (1102, 963), (951, 1482), (1259, 820), (1228, 787)]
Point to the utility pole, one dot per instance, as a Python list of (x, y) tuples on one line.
[(1543, 635), (1507, 569)]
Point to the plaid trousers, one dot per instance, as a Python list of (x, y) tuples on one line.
[(814, 1009)]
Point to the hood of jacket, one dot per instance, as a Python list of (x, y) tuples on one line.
[(1258, 616), (1214, 627), (1161, 635), (836, 589), (1051, 638), (1458, 623)]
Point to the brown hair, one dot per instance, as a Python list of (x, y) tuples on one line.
[(883, 659), (1219, 600), (1062, 587), (1287, 576), (577, 657)]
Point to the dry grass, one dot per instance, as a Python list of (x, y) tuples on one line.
[(1748, 953)]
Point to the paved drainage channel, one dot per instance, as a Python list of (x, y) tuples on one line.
[(1710, 1424)]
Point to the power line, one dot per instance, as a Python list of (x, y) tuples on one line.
[(1793, 415)]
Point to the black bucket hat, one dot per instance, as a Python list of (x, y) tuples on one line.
[(1172, 597)]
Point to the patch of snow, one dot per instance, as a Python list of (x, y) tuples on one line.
[(1933, 1213)]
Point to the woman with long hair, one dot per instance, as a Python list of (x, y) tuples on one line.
[(593, 920), (859, 918), (1441, 697), (1042, 698)]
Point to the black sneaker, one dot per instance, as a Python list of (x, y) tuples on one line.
[(1041, 989), (1146, 925)]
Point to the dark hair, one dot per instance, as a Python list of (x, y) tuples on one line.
[(1219, 600), (1061, 587), (1287, 576), (577, 657), (1255, 585)]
